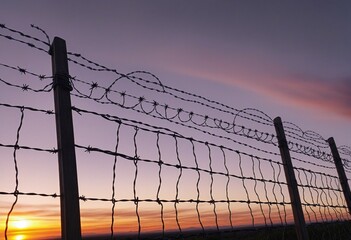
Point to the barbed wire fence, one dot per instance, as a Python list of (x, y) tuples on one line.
[(200, 170), (16, 119)]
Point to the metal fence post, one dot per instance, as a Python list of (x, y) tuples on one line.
[(299, 219), (70, 212), (341, 172)]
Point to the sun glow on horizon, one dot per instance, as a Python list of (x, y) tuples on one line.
[(20, 237), (22, 227), (21, 223)]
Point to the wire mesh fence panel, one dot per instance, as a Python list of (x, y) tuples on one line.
[(323, 201), (176, 183), (29, 194)]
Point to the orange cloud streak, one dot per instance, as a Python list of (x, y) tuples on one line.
[(315, 94), (328, 95), (252, 71)]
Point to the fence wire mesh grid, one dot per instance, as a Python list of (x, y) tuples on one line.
[(158, 162)]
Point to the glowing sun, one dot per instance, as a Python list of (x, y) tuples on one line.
[(21, 223), (19, 237)]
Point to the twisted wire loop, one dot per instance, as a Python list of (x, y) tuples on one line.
[(117, 119), (178, 116), (251, 114), (307, 142), (48, 42), (345, 154), (148, 81)]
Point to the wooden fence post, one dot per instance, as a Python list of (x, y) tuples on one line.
[(341, 172), (299, 219), (70, 212)]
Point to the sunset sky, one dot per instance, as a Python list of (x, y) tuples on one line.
[(286, 58)]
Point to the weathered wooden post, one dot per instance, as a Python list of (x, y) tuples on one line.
[(70, 212), (299, 218), (341, 172)]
